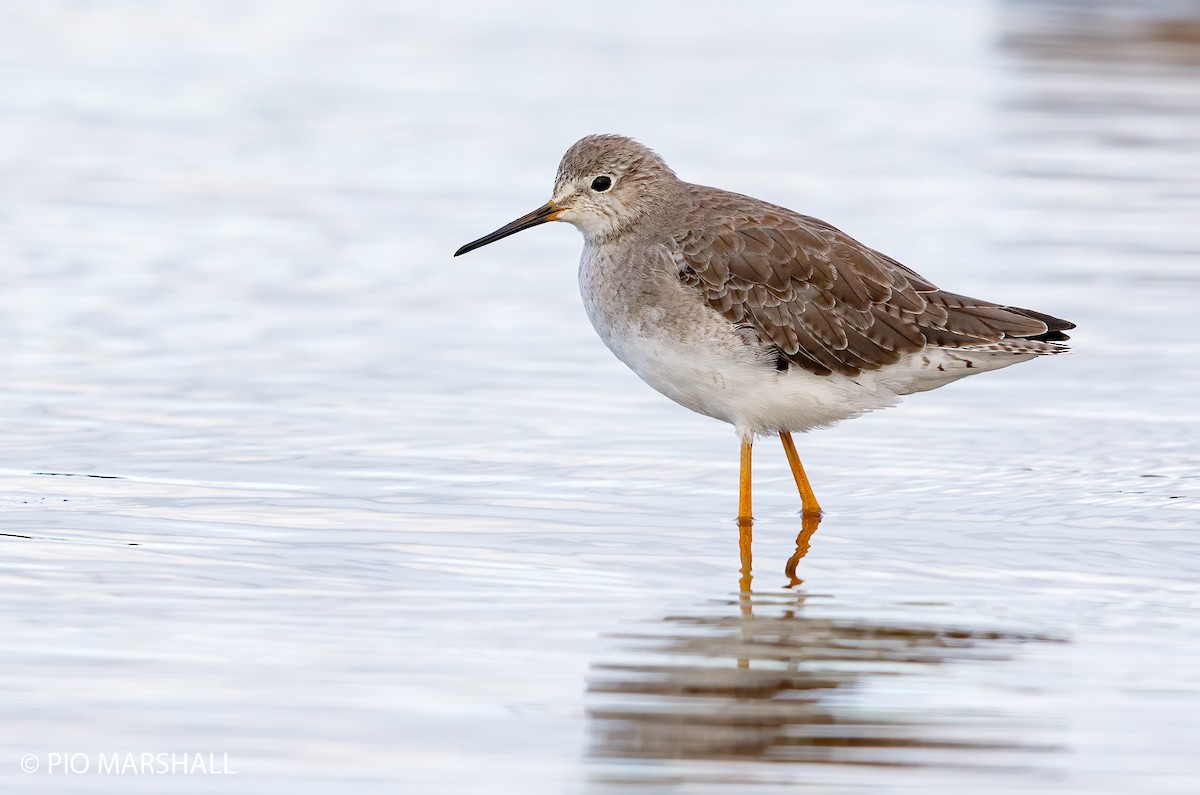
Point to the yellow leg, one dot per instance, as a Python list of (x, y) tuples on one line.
[(744, 516), (808, 499)]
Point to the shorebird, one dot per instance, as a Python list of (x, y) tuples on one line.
[(756, 315)]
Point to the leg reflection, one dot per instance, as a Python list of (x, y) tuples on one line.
[(746, 554), (745, 592), (808, 526)]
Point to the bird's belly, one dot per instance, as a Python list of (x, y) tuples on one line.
[(696, 357), (750, 394)]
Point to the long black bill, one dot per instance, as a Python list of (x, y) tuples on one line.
[(541, 215)]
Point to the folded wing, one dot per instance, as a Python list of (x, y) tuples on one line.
[(829, 303)]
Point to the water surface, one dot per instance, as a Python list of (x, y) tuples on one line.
[(284, 481)]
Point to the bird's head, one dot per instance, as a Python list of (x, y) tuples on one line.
[(605, 183)]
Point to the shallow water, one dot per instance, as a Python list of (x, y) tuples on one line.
[(282, 481)]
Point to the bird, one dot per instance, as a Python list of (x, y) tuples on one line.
[(759, 316)]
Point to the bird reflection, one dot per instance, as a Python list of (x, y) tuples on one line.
[(757, 678)]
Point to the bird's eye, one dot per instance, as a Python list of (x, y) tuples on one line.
[(601, 184)]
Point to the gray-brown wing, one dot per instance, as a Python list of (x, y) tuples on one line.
[(826, 301)]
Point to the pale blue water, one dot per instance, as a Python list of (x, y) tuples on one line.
[(283, 481)]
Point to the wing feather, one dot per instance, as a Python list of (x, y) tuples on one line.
[(827, 302)]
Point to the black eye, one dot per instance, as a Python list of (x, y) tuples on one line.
[(601, 184)]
